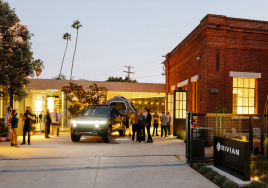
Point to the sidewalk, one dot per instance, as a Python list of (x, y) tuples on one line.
[(100, 172)]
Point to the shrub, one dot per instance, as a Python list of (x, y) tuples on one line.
[(257, 184), (205, 170), (199, 165), (258, 168), (220, 179), (211, 174), (264, 178), (182, 135), (3, 134), (229, 184)]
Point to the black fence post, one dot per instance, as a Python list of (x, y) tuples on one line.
[(251, 134), (187, 128), (192, 146), (262, 134)]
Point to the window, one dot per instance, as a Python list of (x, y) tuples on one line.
[(243, 96), (180, 110)]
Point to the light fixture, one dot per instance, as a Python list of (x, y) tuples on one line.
[(157, 103), (145, 102), (140, 102), (256, 178)]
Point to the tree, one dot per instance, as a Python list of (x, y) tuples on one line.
[(76, 25), (81, 99), (120, 79), (60, 77), (67, 37), (15, 56)]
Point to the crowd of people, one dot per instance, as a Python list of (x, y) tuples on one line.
[(141, 121), (12, 119)]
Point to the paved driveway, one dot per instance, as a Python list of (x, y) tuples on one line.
[(59, 162)]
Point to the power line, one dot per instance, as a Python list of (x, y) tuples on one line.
[(148, 76)]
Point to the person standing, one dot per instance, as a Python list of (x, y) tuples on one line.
[(7, 124), (135, 127), (156, 120), (148, 126), (163, 125), (55, 122), (168, 123), (127, 126), (48, 123), (27, 117), (142, 125), (14, 126)]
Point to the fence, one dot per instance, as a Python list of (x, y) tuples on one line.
[(252, 128)]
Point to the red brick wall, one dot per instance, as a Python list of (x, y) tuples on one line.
[(242, 45)]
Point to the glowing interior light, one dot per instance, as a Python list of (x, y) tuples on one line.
[(256, 178)]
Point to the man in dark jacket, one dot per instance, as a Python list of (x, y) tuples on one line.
[(27, 117), (142, 120), (148, 126), (48, 123)]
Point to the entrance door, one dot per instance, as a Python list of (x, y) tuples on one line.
[(170, 105), (179, 113)]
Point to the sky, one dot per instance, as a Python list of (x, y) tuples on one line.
[(118, 33)]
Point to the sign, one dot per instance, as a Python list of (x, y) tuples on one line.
[(233, 157)]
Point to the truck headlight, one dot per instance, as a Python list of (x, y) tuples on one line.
[(74, 123)]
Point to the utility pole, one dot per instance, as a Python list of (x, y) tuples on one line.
[(129, 67)]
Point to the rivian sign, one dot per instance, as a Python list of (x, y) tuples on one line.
[(232, 156), (227, 149)]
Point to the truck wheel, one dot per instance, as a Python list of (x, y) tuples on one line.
[(75, 138), (123, 131), (107, 135)]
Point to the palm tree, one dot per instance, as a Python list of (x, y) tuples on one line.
[(67, 37), (75, 25)]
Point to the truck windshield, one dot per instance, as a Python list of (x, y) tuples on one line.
[(97, 112)]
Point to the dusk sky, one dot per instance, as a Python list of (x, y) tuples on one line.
[(119, 33)]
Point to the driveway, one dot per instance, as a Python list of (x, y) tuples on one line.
[(59, 162)]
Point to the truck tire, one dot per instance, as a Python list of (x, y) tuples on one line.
[(123, 131), (75, 138), (107, 135)]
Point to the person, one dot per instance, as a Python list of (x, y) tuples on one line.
[(127, 126), (156, 120), (142, 125), (55, 121), (168, 124), (163, 125), (48, 122), (27, 117), (14, 125), (148, 126), (7, 124), (135, 127)]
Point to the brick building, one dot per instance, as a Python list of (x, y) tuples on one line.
[(222, 60)]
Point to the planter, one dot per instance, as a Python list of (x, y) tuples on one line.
[(3, 139)]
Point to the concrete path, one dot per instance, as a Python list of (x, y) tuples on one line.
[(58, 162)]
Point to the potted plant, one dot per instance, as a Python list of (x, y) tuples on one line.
[(33, 128), (3, 131), (3, 137)]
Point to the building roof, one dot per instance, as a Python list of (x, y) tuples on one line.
[(223, 22), (43, 84)]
